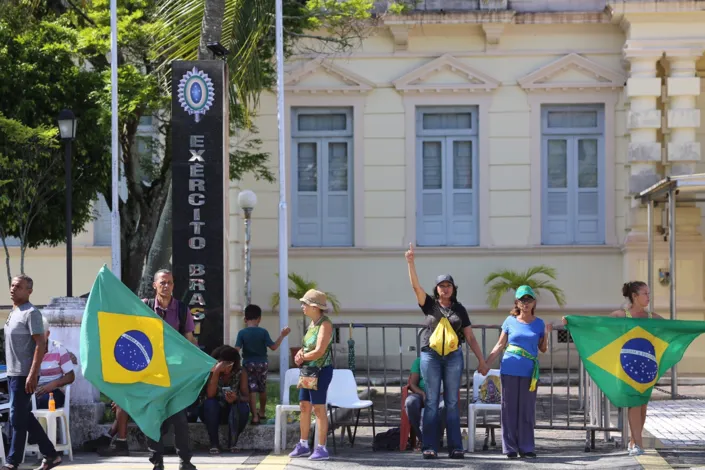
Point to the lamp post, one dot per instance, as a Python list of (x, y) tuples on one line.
[(67, 129), (247, 200)]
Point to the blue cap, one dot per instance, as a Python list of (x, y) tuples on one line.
[(445, 278), (524, 290)]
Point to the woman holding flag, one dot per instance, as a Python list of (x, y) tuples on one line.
[(523, 335), (638, 296)]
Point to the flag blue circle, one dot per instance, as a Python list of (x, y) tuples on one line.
[(133, 351), (638, 360)]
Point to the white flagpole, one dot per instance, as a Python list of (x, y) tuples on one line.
[(115, 213), (283, 235)]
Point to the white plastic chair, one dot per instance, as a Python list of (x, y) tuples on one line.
[(475, 406), (342, 393), (50, 418), (291, 378)]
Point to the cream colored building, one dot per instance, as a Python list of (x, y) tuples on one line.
[(489, 140)]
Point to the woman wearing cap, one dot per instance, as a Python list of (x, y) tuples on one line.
[(447, 369), (315, 352), (523, 335), (638, 298)]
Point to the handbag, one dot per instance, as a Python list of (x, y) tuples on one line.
[(444, 339), (308, 377)]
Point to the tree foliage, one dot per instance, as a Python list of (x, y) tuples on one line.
[(39, 76)]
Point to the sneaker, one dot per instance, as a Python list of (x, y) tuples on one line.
[(529, 455), (94, 444), (158, 466), (187, 466), (300, 451), (116, 449), (512, 455), (321, 453), (636, 451)]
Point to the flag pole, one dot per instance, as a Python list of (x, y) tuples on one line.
[(283, 235), (115, 212)]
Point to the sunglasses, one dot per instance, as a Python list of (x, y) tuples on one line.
[(526, 299)]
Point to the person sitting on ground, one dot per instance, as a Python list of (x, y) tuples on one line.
[(225, 398), (253, 341), (415, 402), (56, 372)]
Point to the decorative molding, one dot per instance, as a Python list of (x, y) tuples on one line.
[(400, 32), (475, 81), (451, 252), (493, 32), (601, 77), (353, 83)]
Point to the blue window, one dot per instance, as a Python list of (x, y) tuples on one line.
[(573, 168), (322, 208), (446, 176)]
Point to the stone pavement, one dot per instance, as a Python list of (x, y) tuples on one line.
[(676, 424)]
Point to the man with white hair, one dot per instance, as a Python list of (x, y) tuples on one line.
[(56, 371)]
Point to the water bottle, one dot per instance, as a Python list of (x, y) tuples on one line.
[(52, 403)]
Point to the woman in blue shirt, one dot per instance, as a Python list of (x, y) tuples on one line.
[(523, 335)]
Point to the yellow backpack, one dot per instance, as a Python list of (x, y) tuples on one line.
[(444, 340)]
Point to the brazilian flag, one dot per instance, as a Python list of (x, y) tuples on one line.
[(625, 357), (135, 358)]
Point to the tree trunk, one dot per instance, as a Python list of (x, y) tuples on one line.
[(211, 27), (159, 256), (7, 263)]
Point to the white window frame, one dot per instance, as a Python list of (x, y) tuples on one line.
[(447, 137), (322, 139), (572, 135)]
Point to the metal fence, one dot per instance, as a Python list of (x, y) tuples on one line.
[(574, 404)]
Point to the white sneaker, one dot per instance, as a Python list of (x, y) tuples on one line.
[(636, 451), (630, 446)]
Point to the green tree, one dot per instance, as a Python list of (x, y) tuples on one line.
[(38, 77), (507, 280), (301, 285)]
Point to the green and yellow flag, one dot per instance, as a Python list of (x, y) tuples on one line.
[(135, 358), (626, 356)]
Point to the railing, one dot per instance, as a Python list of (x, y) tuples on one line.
[(589, 411)]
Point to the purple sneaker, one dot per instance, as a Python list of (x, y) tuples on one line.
[(300, 451), (319, 454)]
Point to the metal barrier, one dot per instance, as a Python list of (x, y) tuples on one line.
[(588, 410)]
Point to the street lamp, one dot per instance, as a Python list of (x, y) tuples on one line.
[(247, 200), (67, 129)]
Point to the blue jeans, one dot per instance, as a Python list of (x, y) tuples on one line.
[(448, 370), (213, 414), (23, 422)]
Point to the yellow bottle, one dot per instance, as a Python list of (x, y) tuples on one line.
[(52, 403)]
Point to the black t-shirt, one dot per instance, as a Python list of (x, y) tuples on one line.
[(457, 316)]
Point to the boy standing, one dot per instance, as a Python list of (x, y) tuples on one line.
[(253, 341)]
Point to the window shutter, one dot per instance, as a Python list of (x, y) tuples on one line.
[(102, 224), (556, 220), (461, 198), (431, 221), (336, 184), (588, 223), (307, 212)]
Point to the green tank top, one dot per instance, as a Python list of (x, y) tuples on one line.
[(310, 341), (628, 314)]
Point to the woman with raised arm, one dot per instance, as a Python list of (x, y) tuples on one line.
[(442, 368), (523, 336)]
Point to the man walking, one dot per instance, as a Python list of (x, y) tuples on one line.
[(175, 314), (25, 345)]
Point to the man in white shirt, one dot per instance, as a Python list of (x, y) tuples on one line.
[(56, 372)]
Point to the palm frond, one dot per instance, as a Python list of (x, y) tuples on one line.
[(507, 280), (301, 285)]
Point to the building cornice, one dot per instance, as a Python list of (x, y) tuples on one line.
[(469, 79), (350, 81), (597, 77)]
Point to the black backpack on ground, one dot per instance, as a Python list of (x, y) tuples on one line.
[(388, 440)]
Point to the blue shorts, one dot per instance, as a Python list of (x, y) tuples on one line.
[(318, 397)]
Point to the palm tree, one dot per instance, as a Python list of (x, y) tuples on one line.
[(300, 287), (509, 280)]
